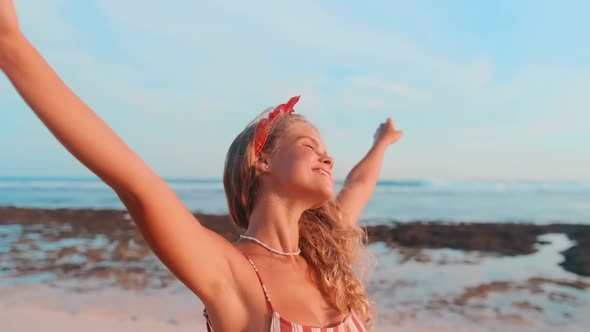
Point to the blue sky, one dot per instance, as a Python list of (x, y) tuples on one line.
[(482, 89)]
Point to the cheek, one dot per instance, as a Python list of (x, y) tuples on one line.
[(293, 167), (294, 170)]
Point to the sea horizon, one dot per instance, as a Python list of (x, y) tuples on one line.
[(522, 201), (400, 180)]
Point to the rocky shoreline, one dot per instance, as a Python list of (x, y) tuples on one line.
[(118, 230), (506, 239)]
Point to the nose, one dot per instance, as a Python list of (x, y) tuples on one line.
[(328, 161)]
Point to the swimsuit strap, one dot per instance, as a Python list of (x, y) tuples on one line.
[(209, 328), (207, 321), (261, 283)]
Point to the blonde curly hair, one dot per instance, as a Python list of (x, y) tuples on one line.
[(330, 246)]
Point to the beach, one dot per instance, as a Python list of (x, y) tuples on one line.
[(90, 268), (455, 134)]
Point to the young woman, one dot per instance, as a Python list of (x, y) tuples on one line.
[(299, 246)]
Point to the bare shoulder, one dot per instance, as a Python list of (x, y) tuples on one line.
[(206, 262), (243, 300)]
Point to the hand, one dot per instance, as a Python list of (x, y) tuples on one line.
[(386, 133), (8, 19)]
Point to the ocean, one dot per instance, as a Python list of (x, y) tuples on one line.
[(537, 202)]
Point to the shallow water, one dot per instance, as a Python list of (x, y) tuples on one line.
[(411, 287), (523, 292)]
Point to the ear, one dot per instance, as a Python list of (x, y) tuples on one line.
[(263, 164)]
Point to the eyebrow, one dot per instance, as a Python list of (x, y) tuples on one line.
[(312, 139)]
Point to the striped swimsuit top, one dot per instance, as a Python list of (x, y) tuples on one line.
[(352, 323)]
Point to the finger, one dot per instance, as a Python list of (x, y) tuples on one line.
[(389, 122)]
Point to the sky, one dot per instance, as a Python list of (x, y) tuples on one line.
[(482, 89)]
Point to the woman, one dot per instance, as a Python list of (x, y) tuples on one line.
[(297, 252)]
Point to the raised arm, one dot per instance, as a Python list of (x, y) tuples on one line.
[(198, 257), (362, 179)]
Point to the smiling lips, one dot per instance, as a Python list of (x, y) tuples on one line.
[(324, 172)]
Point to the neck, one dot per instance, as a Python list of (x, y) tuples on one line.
[(276, 223)]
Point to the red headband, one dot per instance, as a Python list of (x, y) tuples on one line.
[(261, 133)]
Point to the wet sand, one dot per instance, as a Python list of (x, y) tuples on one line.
[(69, 266)]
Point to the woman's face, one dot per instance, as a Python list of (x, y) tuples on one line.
[(301, 167)]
